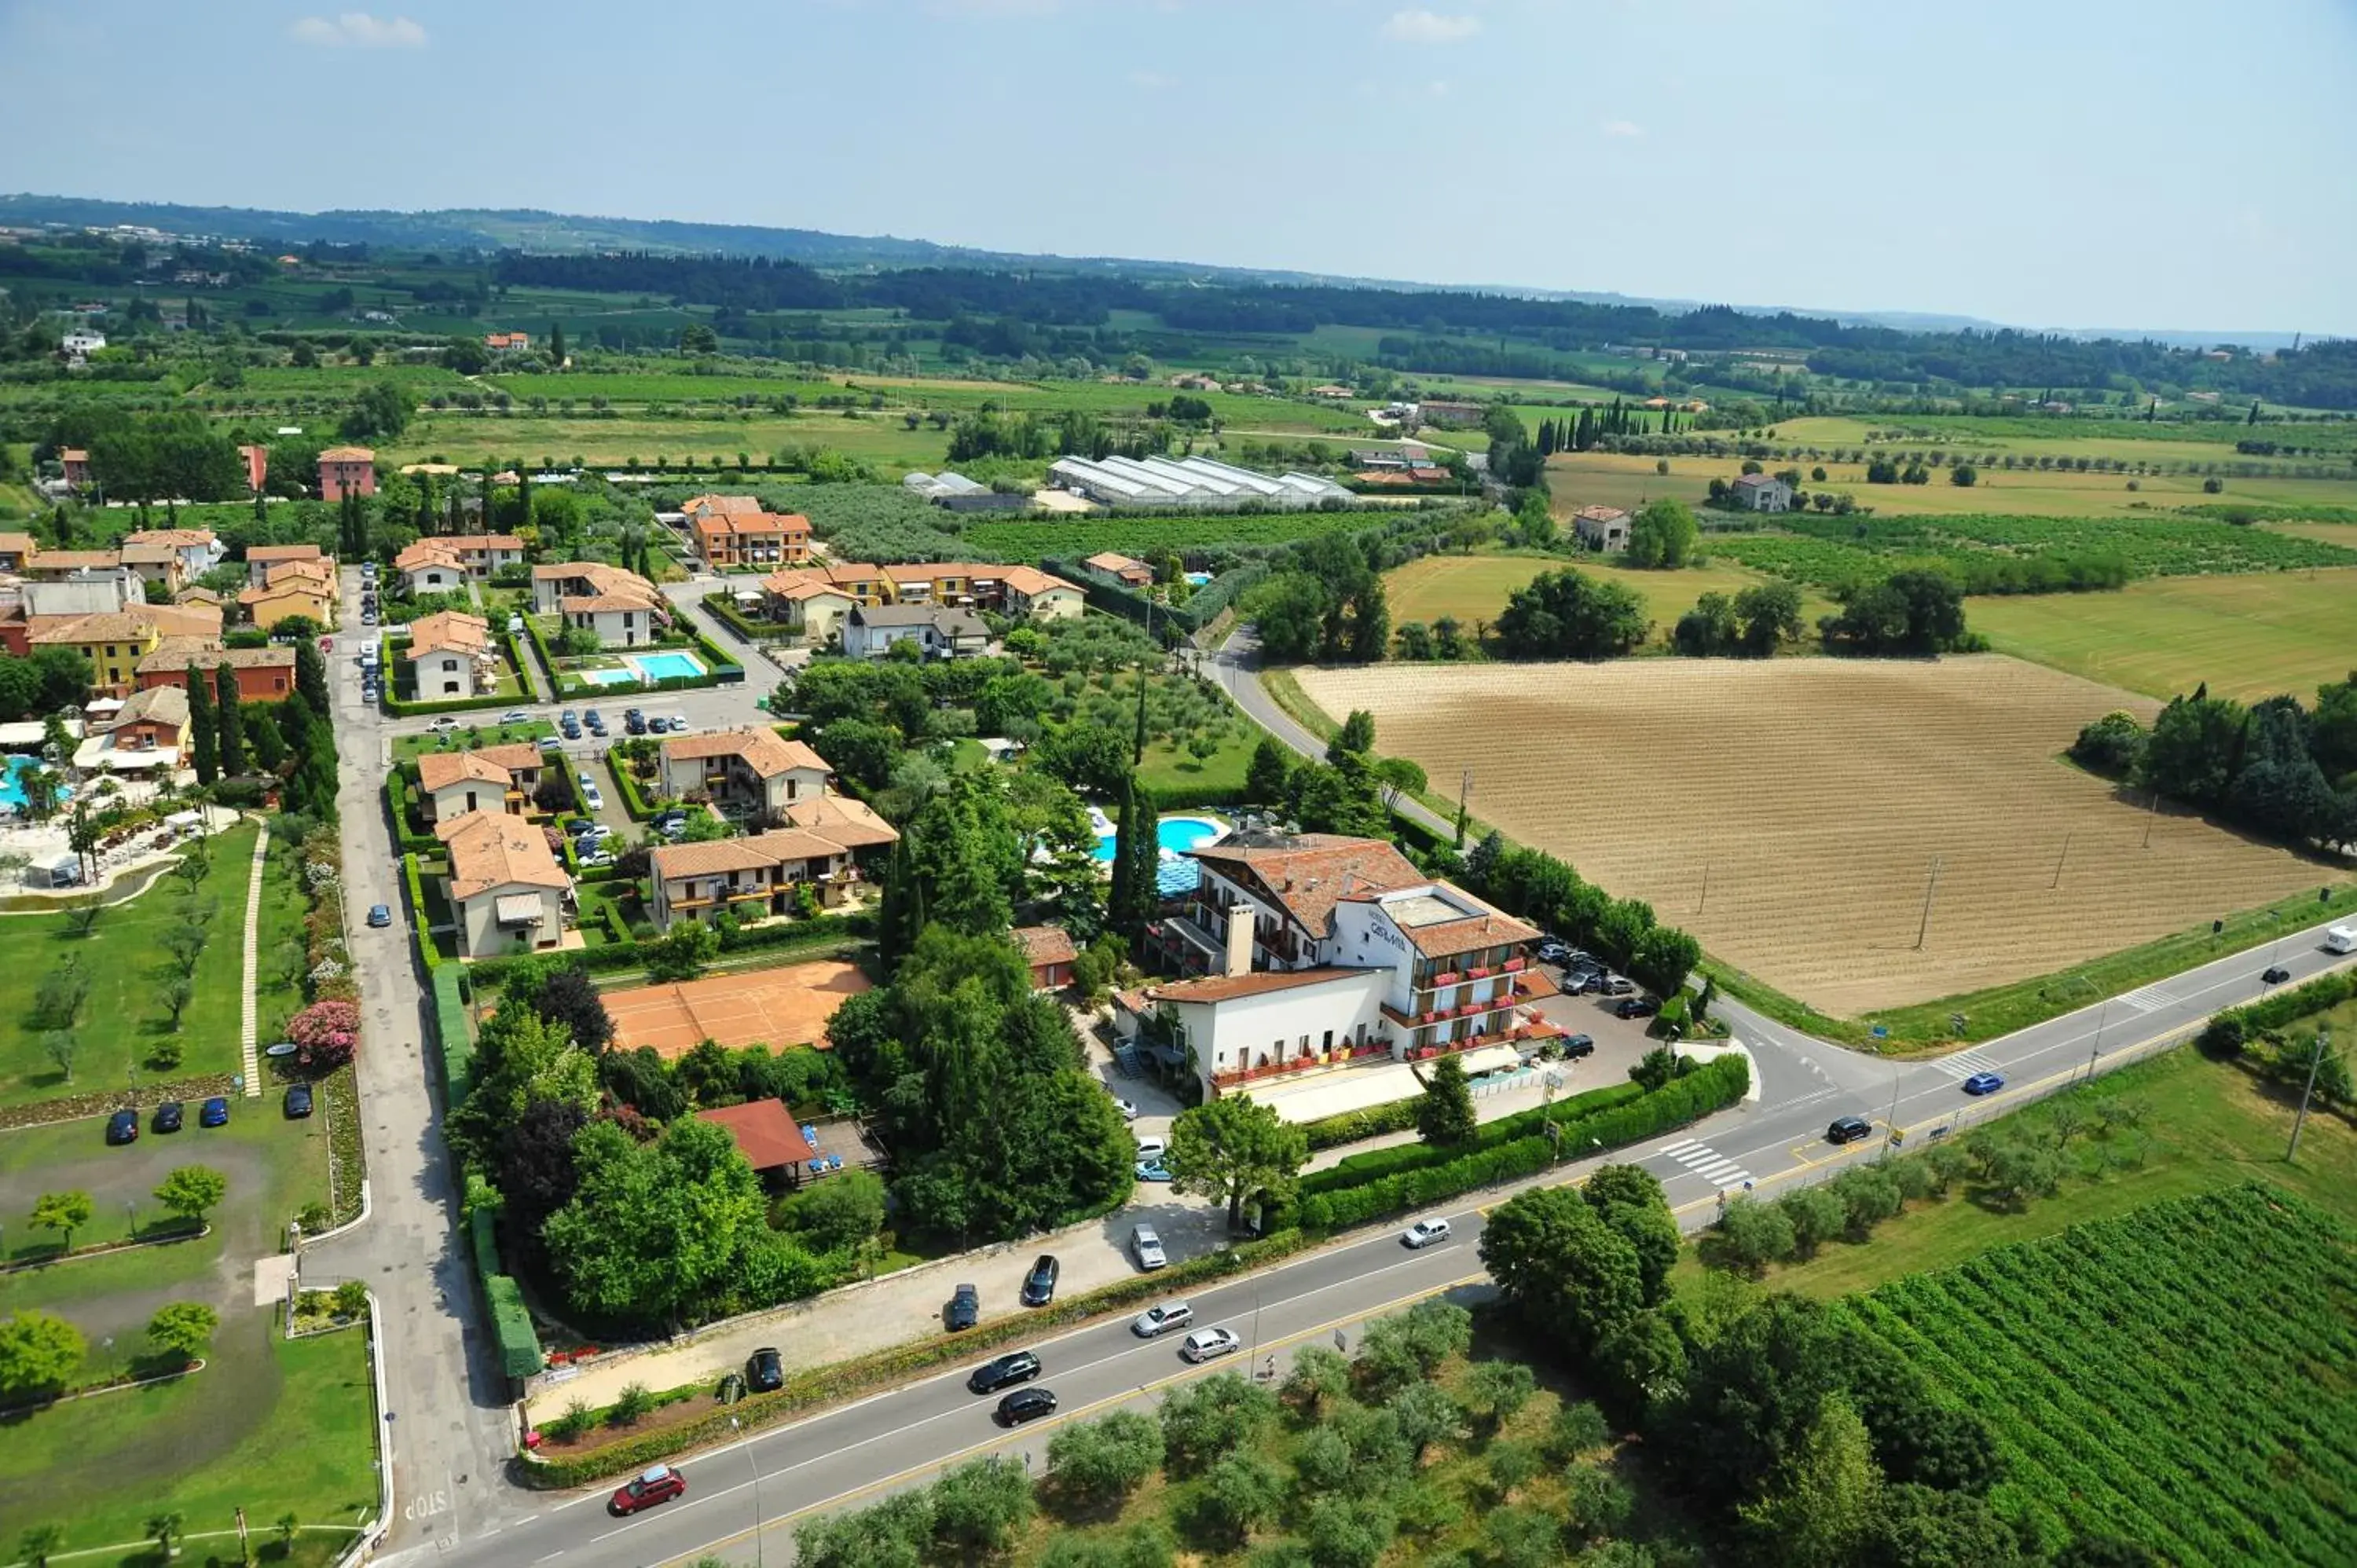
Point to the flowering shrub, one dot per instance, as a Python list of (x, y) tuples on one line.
[(325, 1035)]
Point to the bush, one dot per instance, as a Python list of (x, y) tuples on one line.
[(1376, 1164), (1352, 1127)]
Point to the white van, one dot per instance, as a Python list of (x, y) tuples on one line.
[(2340, 939)]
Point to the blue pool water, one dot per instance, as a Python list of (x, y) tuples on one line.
[(12, 784), (1175, 875), (611, 677), (665, 666)]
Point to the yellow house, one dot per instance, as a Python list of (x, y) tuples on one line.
[(295, 588), (113, 643)]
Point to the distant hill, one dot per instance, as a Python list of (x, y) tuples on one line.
[(525, 229)]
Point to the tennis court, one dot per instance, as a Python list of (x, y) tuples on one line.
[(775, 1007)]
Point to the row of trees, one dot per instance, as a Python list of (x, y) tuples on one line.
[(1541, 888), (2278, 767), (1327, 604)]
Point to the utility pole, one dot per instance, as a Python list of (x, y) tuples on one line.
[(2058, 859), (1704, 901), (2151, 812), (2300, 1120), (1923, 928)]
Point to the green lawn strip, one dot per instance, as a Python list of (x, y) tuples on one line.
[(124, 1017), (470, 736), (1179, 778), (270, 1426), (1285, 690), (279, 947)]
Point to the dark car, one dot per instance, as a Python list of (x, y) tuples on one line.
[(1637, 1007), (122, 1127), (1039, 1285), (965, 1309), (298, 1102), (1849, 1130), (167, 1116), (1025, 1405), (572, 730), (1578, 1046), (2275, 976), (213, 1112), (1015, 1367), (765, 1371), (658, 1484), (379, 914), (1984, 1083), (634, 721)]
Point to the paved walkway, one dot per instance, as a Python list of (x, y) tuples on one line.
[(248, 1022)]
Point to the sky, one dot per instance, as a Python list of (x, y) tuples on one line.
[(2069, 163)]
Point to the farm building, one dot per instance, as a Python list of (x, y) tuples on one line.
[(1763, 492), (1601, 527), (1198, 483)]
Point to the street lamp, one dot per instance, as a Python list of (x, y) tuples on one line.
[(753, 1464)]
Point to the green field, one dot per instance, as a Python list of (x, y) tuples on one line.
[(1075, 538), (123, 1018), (2249, 637), (470, 437), (1474, 588)]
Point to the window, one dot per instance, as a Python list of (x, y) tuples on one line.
[(1328, 1044)]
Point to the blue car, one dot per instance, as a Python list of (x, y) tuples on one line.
[(214, 1112), (1984, 1083), (1152, 1170)]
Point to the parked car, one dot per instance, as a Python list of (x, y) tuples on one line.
[(1145, 1246), (1617, 985), (569, 716), (593, 832), (1152, 1148), (1984, 1083), (298, 1102), (965, 1309), (1039, 1285), (446, 724), (380, 915), (1553, 952), (594, 797), (1156, 1321), (596, 858), (656, 1484), (1128, 1107), (1206, 1343), (2275, 976), (550, 742), (515, 716), (167, 1116), (1578, 980), (1849, 1130), (1579, 1046), (1637, 1007), (765, 1371), (213, 1112), (634, 721), (1150, 1170), (1015, 1367), (1425, 1232), (1025, 1405), (122, 1127), (592, 717)]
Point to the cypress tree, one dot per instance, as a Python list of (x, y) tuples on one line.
[(228, 723), (1137, 743), (311, 680), (1146, 866), (523, 496), (897, 915), (204, 737), (261, 508), (556, 344)]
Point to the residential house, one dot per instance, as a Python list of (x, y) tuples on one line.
[(754, 772), (871, 632), (1452, 416), (113, 643), (263, 674), (1048, 951), (16, 549), (1763, 492), (81, 343), (1601, 527), (199, 549), (485, 554), (505, 885), (76, 463), (257, 466), (146, 734), (158, 567), (305, 588), (553, 583), (757, 538), (492, 778), (260, 558), (853, 824), (430, 566), (755, 877), (816, 599), (507, 342), (85, 566), (1115, 567), (347, 471), (451, 655)]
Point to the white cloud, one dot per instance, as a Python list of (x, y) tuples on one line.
[(1623, 128), (1429, 27), (358, 30), (1152, 81)]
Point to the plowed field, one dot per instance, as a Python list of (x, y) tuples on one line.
[(1815, 795)]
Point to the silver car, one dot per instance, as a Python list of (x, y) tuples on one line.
[(1156, 1321), (1146, 1247)]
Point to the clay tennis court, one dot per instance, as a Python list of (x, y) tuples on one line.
[(774, 1007)]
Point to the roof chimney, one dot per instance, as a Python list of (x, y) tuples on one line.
[(1239, 939)]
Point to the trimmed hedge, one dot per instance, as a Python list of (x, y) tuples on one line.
[(1711, 1088), (884, 1368), (417, 883), (730, 616), (626, 787), (1372, 1122), (458, 1044), (1179, 796), (2288, 1006), (825, 931), (1378, 1163), (520, 1355), (398, 800)]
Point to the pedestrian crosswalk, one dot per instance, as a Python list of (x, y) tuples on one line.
[(2148, 998), (1964, 1064), (1705, 1162)]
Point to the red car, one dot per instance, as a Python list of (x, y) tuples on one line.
[(658, 1484)]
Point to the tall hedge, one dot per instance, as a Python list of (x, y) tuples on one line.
[(1401, 1157)]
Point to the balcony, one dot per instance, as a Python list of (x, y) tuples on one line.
[(1236, 1077), (1520, 1032)]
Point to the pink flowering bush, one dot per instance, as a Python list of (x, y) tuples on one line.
[(325, 1035)]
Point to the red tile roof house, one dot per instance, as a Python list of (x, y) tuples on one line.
[(766, 540), (77, 466), (766, 1135), (1048, 951), (260, 558), (347, 470)]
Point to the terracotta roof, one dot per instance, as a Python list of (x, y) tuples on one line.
[(1228, 987), (851, 823), (426, 552), (147, 554), (20, 543), (1314, 872), (1753, 481), (774, 848), (1490, 928), (1029, 580), (712, 525), (694, 505), (179, 620), (73, 455), (516, 756), (449, 629), (347, 454), (589, 604), (765, 751), (438, 771), (602, 580), (491, 849), (834, 575), (283, 552), (282, 573), (166, 706), (477, 542), (117, 626), (1044, 945), (765, 1130), (173, 536), (177, 653), (295, 587), (1600, 514), (198, 594), (1113, 561), (77, 560)]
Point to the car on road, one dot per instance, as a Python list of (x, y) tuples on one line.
[(1156, 1321), (765, 1371), (965, 1308), (380, 915), (298, 1102), (1150, 1170), (515, 716), (1149, 1149), (1206, 1344), (1637, 1007), (1579, 1047), (1039, 1285), (1984, 1083), (1128, 1107), (2275, 976), (1002, 1371), (167, 1116), (1145, 1246), (446, 724), (1849, 1130), (656, 1484), (213, 1112), (122, 1127), (1025, 1405), (1425, 1232)]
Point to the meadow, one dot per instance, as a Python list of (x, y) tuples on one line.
[(1788, 812), (1074, 538), (1474, 588)]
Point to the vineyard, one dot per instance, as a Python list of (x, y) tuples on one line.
[(1194, 531), (2178, 1377), (1788, 813)]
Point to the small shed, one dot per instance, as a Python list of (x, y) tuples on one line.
[(766, 1135), (65, 871), (1048, 951)]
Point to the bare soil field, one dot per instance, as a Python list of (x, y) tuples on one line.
[(1815, 795)]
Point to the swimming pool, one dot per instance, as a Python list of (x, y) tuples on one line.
[(12, 783), (1176, 874), (646, 668)]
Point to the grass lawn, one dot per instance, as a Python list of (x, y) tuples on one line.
[(471, 734), (1174, 774), (124, 1018), (2206, 1125), (2249, 637), (1474, 588)]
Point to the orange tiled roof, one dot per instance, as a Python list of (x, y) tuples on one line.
[(765, 751), (1315, 872)]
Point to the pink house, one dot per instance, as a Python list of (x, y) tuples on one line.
[(347, 471), (257, 466), (77, 467)]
